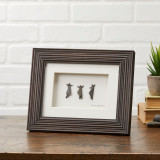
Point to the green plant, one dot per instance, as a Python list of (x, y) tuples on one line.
[(155, 59)]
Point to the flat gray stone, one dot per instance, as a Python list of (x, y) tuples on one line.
[(156, 118), (153, 124)]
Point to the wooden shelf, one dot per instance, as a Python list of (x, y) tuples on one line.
[(16, 143)]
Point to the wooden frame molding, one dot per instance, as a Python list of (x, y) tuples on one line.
[(121, 125)]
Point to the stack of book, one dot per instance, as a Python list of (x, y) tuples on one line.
[(151, 107)]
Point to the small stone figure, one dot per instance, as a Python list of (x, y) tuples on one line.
[(91, 92), (68, 93), (155, 123), (80, 91)]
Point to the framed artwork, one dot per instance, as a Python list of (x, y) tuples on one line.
[(84, 91)]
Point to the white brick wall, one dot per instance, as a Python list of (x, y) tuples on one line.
[(18, 33), (2, 12), (91, 24), (132, 33), (62, 33), (102, 12), (35, 12), (148, 12), (20, 95), (11, 74), (3, 96), (2, 54)]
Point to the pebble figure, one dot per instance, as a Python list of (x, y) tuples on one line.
[(91, 92), (80, 91), (68, 93)]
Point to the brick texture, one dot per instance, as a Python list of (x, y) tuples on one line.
[(96, 24), (20, 95), (3, 96), (71, 33), (132, 33), (20, 54), (147, 12), (39, 12), (2, 54), (14, 75), (103, 12), (18, 33), (2, 12)]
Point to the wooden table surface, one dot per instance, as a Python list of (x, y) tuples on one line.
[(17, 143)]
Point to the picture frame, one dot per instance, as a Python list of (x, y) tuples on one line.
[(47, 114)]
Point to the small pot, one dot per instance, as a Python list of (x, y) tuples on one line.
[(154, 85)]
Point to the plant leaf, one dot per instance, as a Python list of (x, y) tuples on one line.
[(153, 72), (155, 59)]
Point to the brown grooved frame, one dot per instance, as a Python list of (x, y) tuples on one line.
[(121, 125)]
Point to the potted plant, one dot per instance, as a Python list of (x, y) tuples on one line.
[(153, 79)]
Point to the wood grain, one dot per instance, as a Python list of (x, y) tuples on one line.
[(17, 144), (121, 125)]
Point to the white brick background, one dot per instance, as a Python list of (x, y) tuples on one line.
[(91, 24)]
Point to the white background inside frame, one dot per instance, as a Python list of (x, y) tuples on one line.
[(103, 106), (60, 88)]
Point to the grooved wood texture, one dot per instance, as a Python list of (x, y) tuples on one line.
[(121, 125), (18, 144)]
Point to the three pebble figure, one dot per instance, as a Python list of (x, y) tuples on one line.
[(80, 92)]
